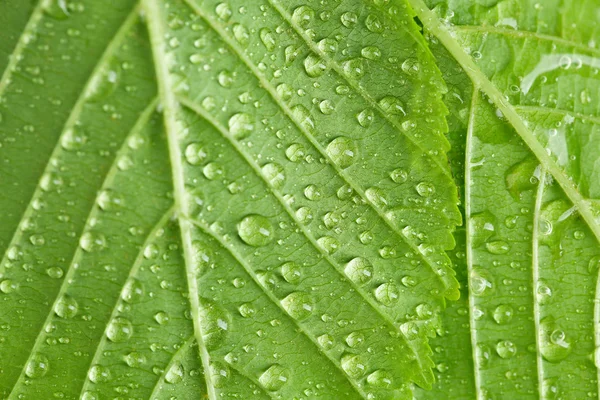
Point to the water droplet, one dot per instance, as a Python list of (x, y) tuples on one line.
[(195, 153), (135, 359), (109, 200), (255, 230), (328, 45), (284, 91), (425, 189), (359, 270), (365, 117), (506, 349), (241, 34), (374, 24), (291, 272), (247, 310), (274, 377), (92, 241), (225, 78), (312, 192), (57, 9), (241, 125), (371, 53), (411, 66), (295, 152), (99, 374), (329, 244), (354, 68), (302, 15), (133, 291), (66, 307), (162, 318), (274, 174), (543, 292), (554, 344), (424, 311), (314, 66), (299, 305), (326, 107), (325, 341), (119, 330), (387, 293), (355, 339), (376, 196), (503, 314), (353, 365), (303, 117), (497, 247), (379, 378), (408, 281), (175, 373), (212, 171), (342, 151), (8, 286), (37, 366), (349, 19), (55, 272), (267, 38), (214, 321), (223, 11), (73, 139)]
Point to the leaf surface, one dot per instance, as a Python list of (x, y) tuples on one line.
[(210, 199)]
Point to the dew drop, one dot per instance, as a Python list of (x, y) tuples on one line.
[(73, 139), (55, 272), (99, 374), (314, 66), (342, 151), (295, 152), (329, 244), (119, 330), (66, 307), (92, 241), (355, 339), (274, 174), (195, 153), (349, 19), (291, 272), (359, 270), (503, 314), (267, 38), (365, 117), (241, 125), (379, 378), (175, 373), (133, 291), (506, 349), (255, 230), (387, 293), (353, 365), (37, 366), (298, 305), (274, 377)]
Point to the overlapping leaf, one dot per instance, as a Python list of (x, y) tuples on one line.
[(523, 110)]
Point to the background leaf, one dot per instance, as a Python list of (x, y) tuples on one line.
[(531, 252)]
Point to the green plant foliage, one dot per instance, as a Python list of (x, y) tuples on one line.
[(232, 199)]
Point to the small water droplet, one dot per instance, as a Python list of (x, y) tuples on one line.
[(66, 307), (299, 305), (387, 293), (241, 125), (37, 366), (342, 151), (274, 377)]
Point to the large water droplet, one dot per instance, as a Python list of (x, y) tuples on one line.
[(314, 66), (195, 153), (299, 305), (274, 377), (267, 38), (119, 330), (241, 125), (503, 314), (342, 151), (255, 230), (92, 241), (554, 344), (274, 174), (37, 366), (133, 291), (359, 270), (387, 293), (66, 307), (291, 272), (506, 349), (302, 15), (175, 373), (99, 374), (379, 378), (353, 365)]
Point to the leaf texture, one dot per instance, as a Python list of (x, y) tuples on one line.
[(520, 109), (210, 199)]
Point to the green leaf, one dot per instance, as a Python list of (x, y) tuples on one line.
[(221, 199), (519, 83)]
